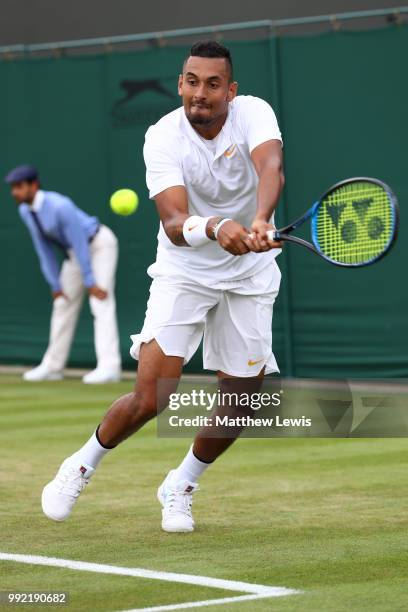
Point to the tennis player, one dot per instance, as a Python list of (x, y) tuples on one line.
[(90, 252), (214, 169)]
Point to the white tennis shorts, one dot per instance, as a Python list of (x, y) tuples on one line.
[(235, 319)]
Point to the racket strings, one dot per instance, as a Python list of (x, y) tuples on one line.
[(354, 223)]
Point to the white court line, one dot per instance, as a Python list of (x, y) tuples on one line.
[(198, 604), (256, 591)]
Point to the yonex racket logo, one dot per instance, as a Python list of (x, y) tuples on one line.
[(349, 228)]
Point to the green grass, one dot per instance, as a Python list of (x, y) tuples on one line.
[(328, 517)]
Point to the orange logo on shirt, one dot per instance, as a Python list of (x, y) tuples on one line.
[(192, 227), (230, 151)]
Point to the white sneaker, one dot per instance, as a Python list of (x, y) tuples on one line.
[(100, 377), (42, 373), (176, 500), (60, 495)]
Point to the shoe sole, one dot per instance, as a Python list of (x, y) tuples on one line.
[(167, 530)]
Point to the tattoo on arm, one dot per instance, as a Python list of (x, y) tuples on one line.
[(174, 229)]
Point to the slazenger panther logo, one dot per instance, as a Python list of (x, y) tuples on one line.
[(134, 88), (142, 102)]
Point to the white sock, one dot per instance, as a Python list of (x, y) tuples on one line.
[(189, 469), (92, 451)]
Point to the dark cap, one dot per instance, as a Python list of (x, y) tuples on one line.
[(21, 173)]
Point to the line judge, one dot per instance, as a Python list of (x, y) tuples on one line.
[(90, 253)]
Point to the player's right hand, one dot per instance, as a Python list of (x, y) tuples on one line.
[(232, 237), (259, 238)]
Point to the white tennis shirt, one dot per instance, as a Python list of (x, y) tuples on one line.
[(220, 179)]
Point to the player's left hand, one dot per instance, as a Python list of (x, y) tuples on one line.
[(233, 237), (259, 240), (97, 292)]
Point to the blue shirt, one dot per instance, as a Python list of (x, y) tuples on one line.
[(64, 222)]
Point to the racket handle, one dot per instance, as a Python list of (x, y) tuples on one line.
[(272, 235)]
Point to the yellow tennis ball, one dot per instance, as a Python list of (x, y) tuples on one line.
[(124, 202)]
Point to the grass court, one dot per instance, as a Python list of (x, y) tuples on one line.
[(325, 517)]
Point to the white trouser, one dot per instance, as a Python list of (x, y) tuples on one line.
[(104, 255)]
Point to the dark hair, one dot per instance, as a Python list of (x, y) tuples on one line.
[(211, 48)]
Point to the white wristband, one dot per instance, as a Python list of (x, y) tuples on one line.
[(219, 224), (194, 231)]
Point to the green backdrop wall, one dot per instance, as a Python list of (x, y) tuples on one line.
[(341, 99)]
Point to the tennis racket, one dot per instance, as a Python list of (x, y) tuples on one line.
[(354, 224)]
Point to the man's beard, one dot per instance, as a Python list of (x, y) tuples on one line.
[(199, 120)]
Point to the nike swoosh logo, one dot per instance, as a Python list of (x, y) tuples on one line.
[(252, 363), (192, 227), (230, 151)]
